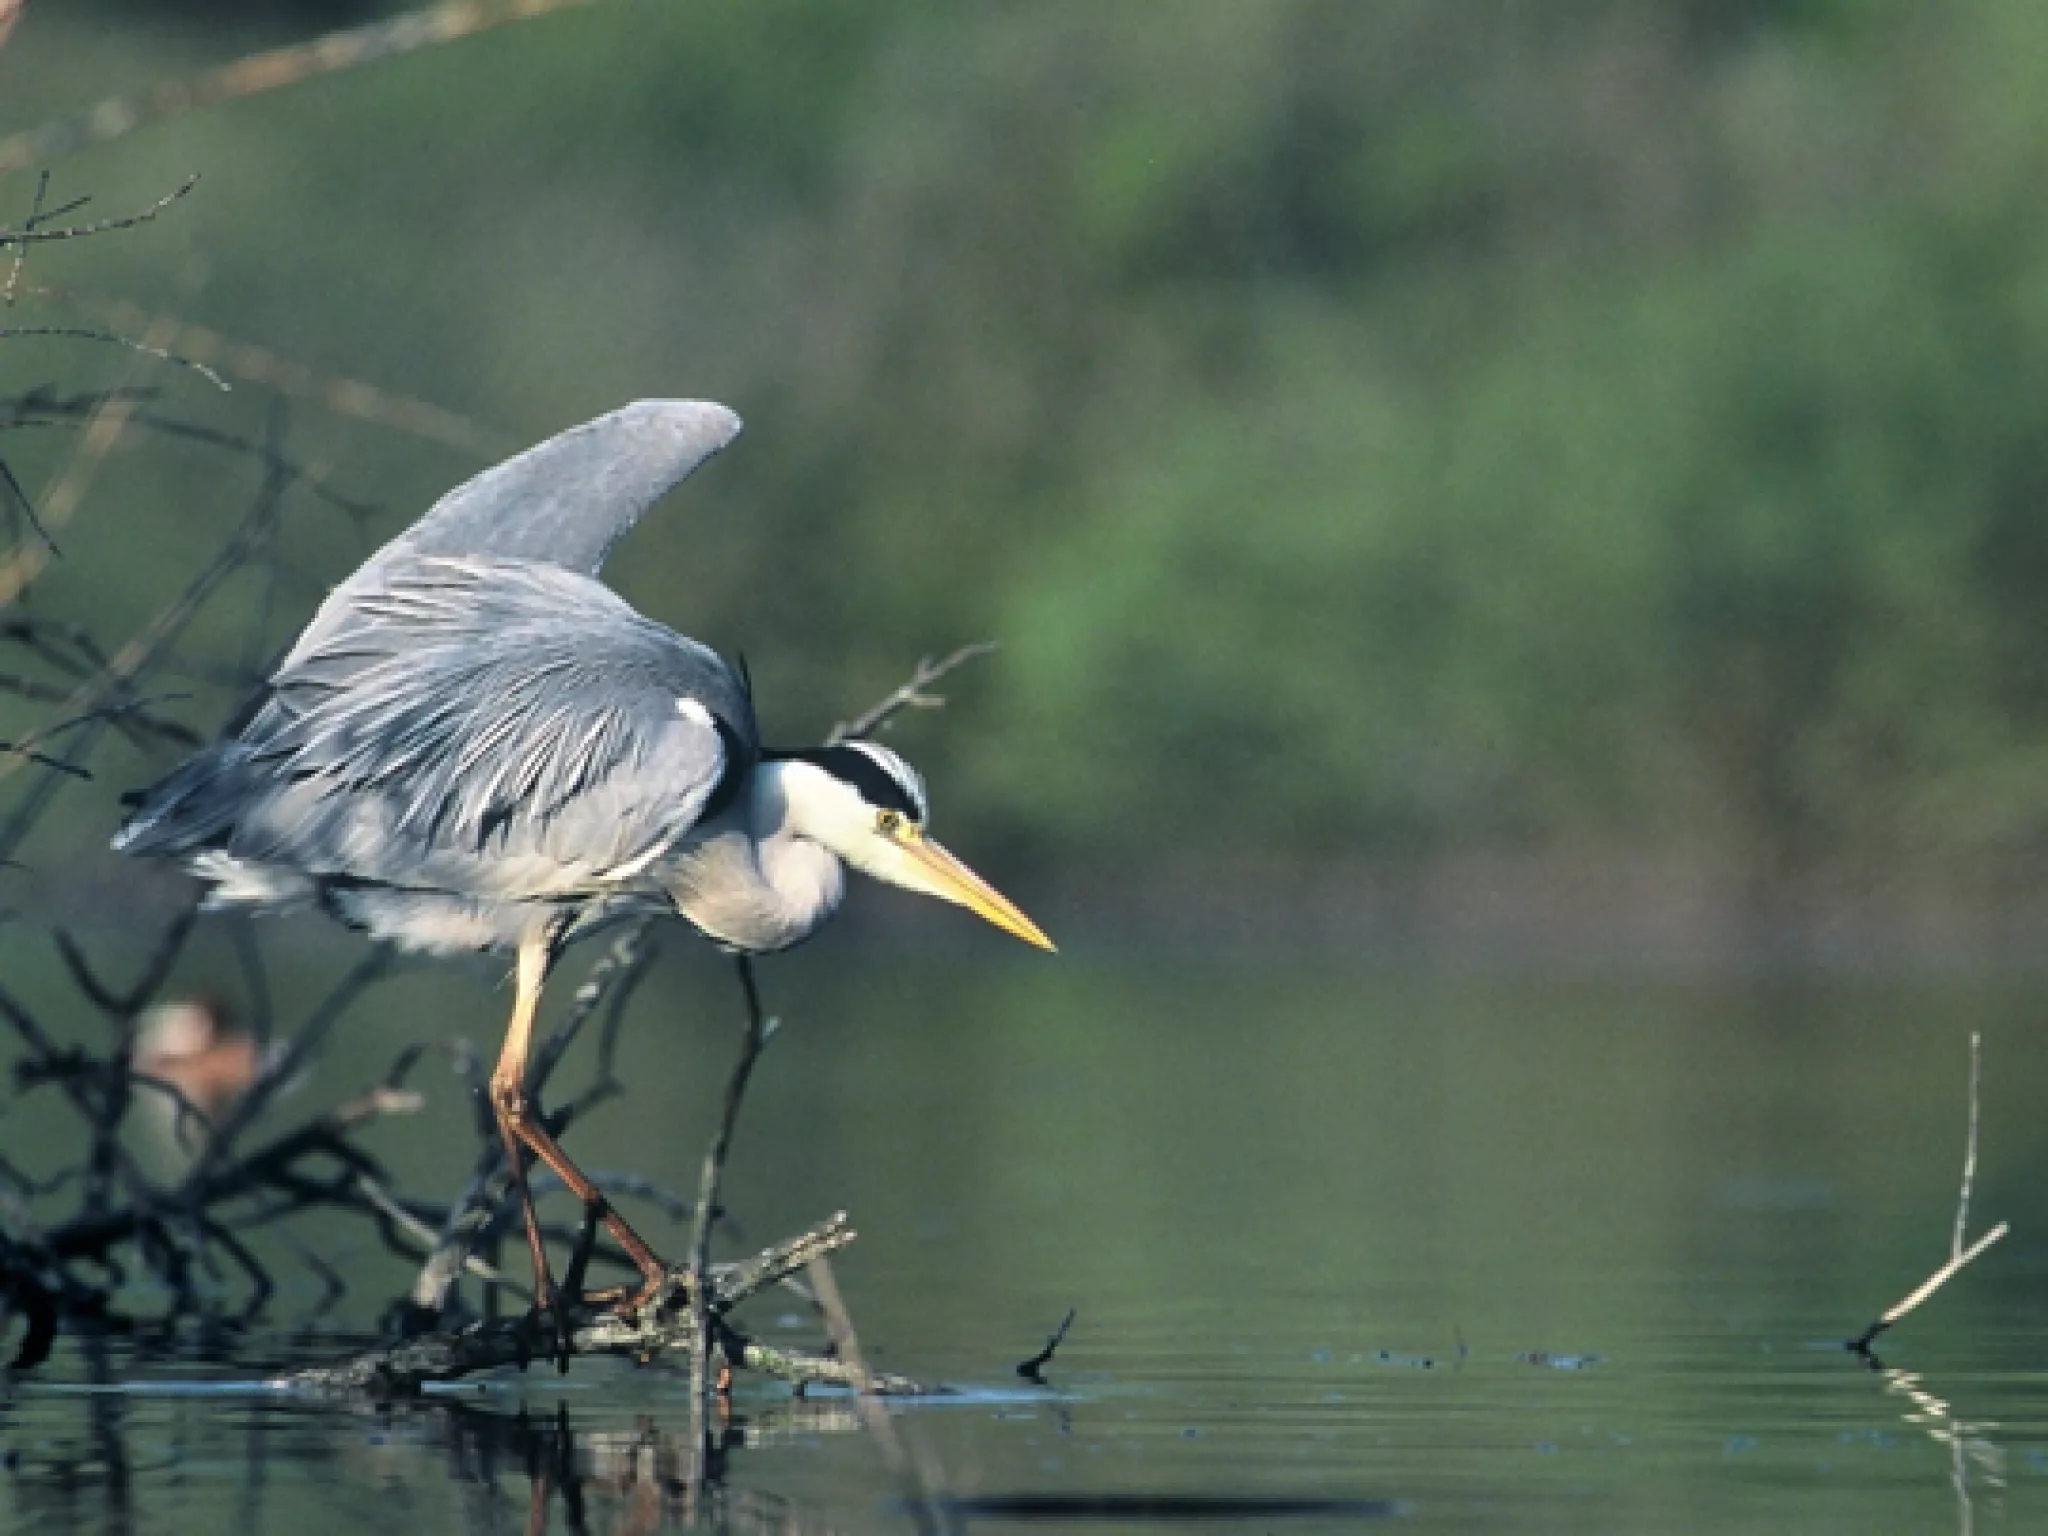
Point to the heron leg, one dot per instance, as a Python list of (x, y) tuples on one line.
[(521, 1128), (509, 1104)]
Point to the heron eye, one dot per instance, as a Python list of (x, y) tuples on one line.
[(890, 822)]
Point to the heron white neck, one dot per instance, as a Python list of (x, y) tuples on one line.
[(762, 878), (795, 815)]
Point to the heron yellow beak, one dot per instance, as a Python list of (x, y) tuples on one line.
[(947, 877)]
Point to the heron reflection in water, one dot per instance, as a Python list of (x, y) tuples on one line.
[(475, 745)]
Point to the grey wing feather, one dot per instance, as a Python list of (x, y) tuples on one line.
[(566, 501), (470, 724)]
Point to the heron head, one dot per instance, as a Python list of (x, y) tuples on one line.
[(869, 806)]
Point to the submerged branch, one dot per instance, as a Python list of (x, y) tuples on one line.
[(666, 1326), (1959, 1254)]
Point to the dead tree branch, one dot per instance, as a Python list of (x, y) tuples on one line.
[(38, 231), (118, 116), (665, 1327), (911, 695), (1959, 1253), (245, 362), (85, 333)]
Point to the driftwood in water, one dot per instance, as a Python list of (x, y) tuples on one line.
[(667, 1327)]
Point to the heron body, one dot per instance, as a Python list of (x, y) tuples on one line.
[(476, 744)]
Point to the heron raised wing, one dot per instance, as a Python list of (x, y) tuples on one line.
[(475, 744)]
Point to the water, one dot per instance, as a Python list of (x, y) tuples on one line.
[(1346, 1246)]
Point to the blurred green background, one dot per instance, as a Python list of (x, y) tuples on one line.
[(1578, 463), (1510, 482)]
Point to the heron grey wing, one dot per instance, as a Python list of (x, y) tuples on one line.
[(566, 501), (490, 725)]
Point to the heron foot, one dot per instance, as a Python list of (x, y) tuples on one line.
[(628, 1303), (548, 1332), (564, 1331)]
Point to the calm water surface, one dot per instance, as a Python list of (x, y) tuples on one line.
[(1347, 1247)]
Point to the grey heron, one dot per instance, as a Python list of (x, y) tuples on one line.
[(477, 745)]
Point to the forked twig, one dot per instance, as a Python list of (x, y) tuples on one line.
[(1959, 1254), (911, 695), (403, 1368), (1033, 1370), (39, 232)]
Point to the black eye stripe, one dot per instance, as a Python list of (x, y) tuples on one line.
[(870, 780)]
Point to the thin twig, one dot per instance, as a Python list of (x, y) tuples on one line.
[(123, 1006), (1033, 1370), (758, 1032), (910, 695), (83, 333), (41, 408), (118, 116), (38, 233), (1959, 1255), (35, 213), (285, 1065), (1931, 1284), (19, 498), (915, 1468), (102, 432), (244, 361), (1955, 1247)]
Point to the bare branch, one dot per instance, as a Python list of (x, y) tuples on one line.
[(339, 394), (41, 408), (20, 500), (910, 695), (913, 1466), (81, 333), (659, 1328), (286, 1064), (125, 668), (36, 233), (1955, 1247), (1959, 1255), (35, 217), (123, 1006), (120, 116)]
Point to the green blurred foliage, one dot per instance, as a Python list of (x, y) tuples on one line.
[(1372, 429)]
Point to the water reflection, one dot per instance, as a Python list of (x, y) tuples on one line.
[(124, 1460), (525, 1468), (1973, 1455), (638, 1477), (1499, 1292)]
